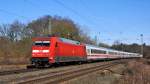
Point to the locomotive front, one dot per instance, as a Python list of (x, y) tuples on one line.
[(41, 54)]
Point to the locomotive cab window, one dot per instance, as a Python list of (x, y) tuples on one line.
[(41, 43)]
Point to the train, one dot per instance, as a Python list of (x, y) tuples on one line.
[(52, 50)]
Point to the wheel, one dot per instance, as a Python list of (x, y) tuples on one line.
[(80, 63)]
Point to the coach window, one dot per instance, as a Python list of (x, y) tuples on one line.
[(110, 52), (98, 51)]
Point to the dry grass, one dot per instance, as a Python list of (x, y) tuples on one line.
[(15, 52), (94, 78), (107, 76), (137, 72), (11, 67), (132, 72)]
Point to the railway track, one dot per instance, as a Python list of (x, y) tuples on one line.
[(64, 75), (2, 73)]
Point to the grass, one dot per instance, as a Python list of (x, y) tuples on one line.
[(133, 72), (137, 72), (107, 76)]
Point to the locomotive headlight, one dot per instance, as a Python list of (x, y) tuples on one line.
[(35, 51), (45, 51)]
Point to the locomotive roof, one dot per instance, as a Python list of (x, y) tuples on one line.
[(69, 41), (41, 38), (61, 39)]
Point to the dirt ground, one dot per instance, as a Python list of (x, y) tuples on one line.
[(133, 72), (137, 72), (12, 67)]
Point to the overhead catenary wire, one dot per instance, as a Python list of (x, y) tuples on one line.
[(12, 13), (63, 5), (83, 3), (73, 11), (35, 5), (45, 9)]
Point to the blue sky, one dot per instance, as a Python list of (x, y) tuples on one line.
[(109, 20)]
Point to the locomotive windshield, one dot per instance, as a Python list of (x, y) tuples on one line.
[(42, 43)]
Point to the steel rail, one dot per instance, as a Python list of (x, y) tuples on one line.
[(66, 75)]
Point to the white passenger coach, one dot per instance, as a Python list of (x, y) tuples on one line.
[(94, 52)]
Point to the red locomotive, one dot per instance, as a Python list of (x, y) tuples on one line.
[(50, 50)]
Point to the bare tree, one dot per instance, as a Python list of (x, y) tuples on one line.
[(4, 30), (16, 31)]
